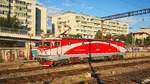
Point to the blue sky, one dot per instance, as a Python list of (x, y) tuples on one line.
[(102, 8)]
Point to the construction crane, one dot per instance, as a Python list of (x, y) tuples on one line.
[(123, 15)]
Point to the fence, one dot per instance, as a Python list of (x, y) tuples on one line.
[(13, 54)]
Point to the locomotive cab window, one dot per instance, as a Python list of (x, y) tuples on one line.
[(46, 43), (57, 43), (38, 44)]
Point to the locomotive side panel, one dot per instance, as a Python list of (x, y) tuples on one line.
[(80, 50), (95, 49)]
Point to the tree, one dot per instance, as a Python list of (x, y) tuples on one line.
[(12, 22), (108, 37), (138, 41), (78, 36), (147, 41), (49, 31), (127, 39), (3, 22), (98, 35)]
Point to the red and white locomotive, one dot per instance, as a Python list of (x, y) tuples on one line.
[(59, 51)]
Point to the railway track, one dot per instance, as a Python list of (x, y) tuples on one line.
[(68, 70), (120, 63)]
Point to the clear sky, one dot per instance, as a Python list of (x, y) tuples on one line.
[(102, 8)]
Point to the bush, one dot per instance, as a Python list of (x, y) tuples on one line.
[(1, 60)]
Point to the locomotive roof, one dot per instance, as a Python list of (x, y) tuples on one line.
[(58, 39)]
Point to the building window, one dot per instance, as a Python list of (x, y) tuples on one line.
[(77, 29), (77, 17), (59, 18), (4, 6), (77, 21), (10, 1)]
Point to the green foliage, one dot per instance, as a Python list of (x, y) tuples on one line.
[(147, 41), (49, 31), (127, 39), (138, 41), (11, 22), (78, 36), (98, 35), (108, 37), (1, 59)]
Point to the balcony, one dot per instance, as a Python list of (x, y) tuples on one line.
[(16, 33)]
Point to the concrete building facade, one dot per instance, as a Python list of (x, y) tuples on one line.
[(41, 20), (140, 35), (147, 30), (24, 10), (86, 25)]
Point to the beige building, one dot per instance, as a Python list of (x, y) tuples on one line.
[(147, 30), (85, 25), (24, 10), (41, 20), (140, 35)]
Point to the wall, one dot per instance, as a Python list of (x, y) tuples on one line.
[(13, 54)]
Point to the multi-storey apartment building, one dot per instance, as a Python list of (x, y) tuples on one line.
[(85, 25), (24, 10)]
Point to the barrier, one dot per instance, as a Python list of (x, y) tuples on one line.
[(13, 54)]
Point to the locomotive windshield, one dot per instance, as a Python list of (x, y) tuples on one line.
[(38, 44), (46, 43)]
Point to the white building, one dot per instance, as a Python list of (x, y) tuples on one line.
[(85, 25), (41, 20), (24, 10), (28, 12)]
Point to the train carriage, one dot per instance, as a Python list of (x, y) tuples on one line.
[(59, 51)]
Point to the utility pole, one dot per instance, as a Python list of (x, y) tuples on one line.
[(9, 5), (9, 12), (143, 40), (93, 72), (102, 29), (30, 47)]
